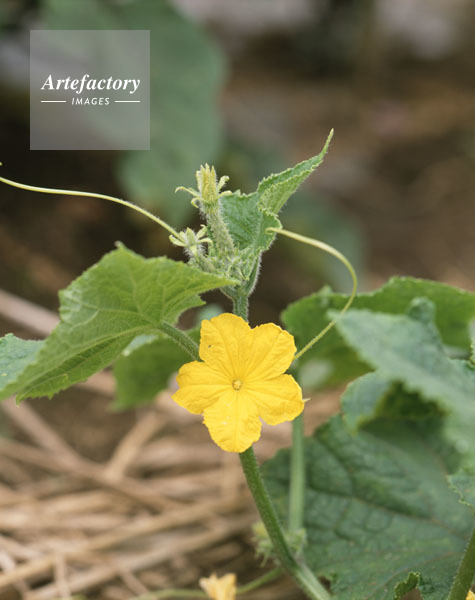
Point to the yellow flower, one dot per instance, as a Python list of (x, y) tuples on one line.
[(220, 588), (470, 596), (240, 380)]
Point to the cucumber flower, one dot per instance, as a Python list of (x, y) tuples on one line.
[(240, 380), (220, 588)]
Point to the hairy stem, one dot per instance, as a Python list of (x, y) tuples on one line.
[(241, 306), (465, 573), (182, 339)]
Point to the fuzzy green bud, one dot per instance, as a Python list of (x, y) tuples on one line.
[(209, 188)]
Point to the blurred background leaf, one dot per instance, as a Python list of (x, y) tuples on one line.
[(187, 72)]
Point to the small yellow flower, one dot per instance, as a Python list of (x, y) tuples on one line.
[(240, 380), (220, 588), (470, 596)]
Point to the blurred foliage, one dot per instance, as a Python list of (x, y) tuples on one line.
[(186, 75)]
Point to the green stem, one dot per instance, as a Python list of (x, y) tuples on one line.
[(465, 573), (297, 476), (181, 338), (241, 304), (260, 581), (300, 572)]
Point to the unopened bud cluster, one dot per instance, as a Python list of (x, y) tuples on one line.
[(221, 256)]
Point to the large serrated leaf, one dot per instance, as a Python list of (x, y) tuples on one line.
[(379, 514), (405, 351), (185, 77), (119, 298), (455, 309), (408, 351)]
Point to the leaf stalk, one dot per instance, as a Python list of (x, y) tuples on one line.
[(181, 339)]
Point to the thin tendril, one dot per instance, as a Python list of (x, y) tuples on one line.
[(142, 211), (337, 254)]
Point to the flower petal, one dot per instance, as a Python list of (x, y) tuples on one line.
[(233, 421), (273, 350), (278, 399), (225, 343), (199, 386)]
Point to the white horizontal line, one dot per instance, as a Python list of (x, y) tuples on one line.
[(126, 100), (52, 100)]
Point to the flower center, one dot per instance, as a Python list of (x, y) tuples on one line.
[(237, 384)]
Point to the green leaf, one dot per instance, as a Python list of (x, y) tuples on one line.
[(119, 298), (305, 318), (247, 216), (463, 481), (405, 587), (142, 371), (379, 510), (15, 356), (374, 396), (408, 351), (417, 360), (186, 75), (276, 189), (362, 398), (247, 223)]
